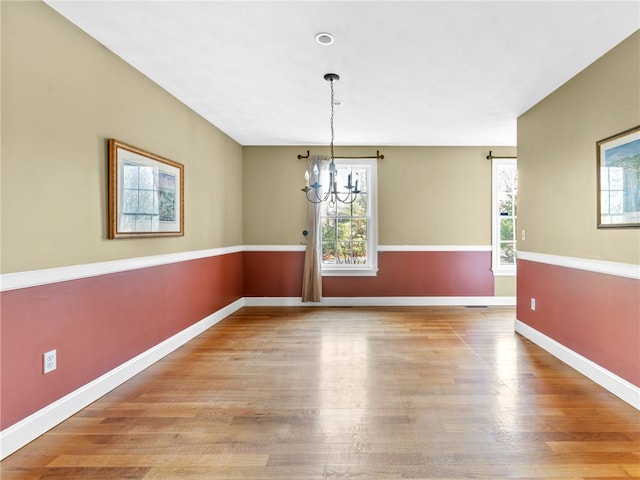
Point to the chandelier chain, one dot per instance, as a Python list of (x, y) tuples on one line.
[(331, 121)]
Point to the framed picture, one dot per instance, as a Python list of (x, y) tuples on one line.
[(146, 193), (618, 159)]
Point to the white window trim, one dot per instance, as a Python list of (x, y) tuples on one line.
[(371, 269), (499, 270)]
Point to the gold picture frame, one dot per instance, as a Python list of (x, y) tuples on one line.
[(618, 170), (146, 193)]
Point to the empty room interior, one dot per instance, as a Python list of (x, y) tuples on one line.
[(320, 239)]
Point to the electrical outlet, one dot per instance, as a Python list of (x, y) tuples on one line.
[(49, 361), (533, 304), (524, 234)]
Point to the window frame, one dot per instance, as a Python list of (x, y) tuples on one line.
[(496, 267), (371, 267)]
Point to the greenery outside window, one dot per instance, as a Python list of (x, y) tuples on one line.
[(504, 213), (349, 230)]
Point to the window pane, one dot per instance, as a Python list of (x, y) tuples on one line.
[(507, 229), (344, 209), (329, 254), (359, 229), (507, 253), (345, 254), (360, 179), (360, 252), (328, 230), (329, 209), (506, 178), (342, 180), (344, 229), (360, 205), (505, 204)]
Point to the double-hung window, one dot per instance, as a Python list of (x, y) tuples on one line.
[(349, 230), (504, 213)]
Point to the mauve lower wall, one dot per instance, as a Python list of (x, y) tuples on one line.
[(405, 273), (98, 323), (594, 314)]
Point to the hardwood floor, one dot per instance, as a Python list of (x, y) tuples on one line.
[(347, 393)]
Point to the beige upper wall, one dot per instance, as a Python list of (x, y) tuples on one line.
[(557, 201), (63, 96), (426, 195)]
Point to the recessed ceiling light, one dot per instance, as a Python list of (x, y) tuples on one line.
[(324, 38)]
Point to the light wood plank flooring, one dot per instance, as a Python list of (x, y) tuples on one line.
[(347, 393)]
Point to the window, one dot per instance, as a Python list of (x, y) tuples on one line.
[(349, 231), (505, 176)]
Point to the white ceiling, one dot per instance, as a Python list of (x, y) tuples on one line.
[(412, 73)]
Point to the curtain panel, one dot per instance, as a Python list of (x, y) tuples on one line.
[(312, 276)]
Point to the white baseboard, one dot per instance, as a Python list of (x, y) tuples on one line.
[(603, 377), (28, 429), (380, 301)]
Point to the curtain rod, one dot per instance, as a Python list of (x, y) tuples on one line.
[(491, 156), (377, 156)]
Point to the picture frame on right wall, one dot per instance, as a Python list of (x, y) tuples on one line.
[(618, 173)]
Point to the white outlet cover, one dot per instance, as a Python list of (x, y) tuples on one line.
[(49, 361), (533, 304)]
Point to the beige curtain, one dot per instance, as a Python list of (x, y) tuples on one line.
[(312, 276)]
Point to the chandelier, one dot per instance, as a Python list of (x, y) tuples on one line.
[(314, 190)]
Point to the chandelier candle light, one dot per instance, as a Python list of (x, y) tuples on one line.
[(313, 191)]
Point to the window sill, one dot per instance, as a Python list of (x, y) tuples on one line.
[(504, 272), (349, 272)]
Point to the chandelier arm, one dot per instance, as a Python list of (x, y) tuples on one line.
[(348, 199), (318, 198)]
